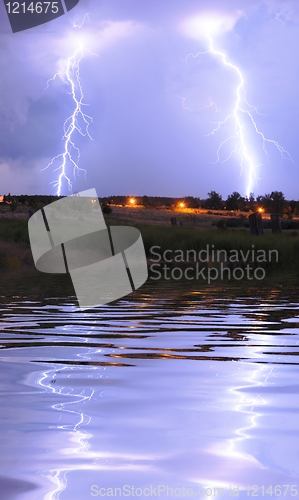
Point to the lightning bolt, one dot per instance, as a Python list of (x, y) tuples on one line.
[(242, 118), (83, 21), (77, 122), (210, 105)]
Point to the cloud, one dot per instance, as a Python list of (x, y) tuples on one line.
[(286, 12), (210, 23), (24, 177)]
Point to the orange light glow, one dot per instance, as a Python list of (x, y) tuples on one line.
[(182, 205), (132, 201), (260, 210)]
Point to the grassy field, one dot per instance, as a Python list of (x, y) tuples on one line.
[(199, 230), (195, 234), (161, 217), (185, 238)]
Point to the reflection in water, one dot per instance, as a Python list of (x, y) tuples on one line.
[(77, 433), (250, 405), (173, 387)]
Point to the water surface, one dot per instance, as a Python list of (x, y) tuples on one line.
[(172, 386)]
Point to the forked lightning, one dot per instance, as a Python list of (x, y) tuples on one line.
[(241, 118)]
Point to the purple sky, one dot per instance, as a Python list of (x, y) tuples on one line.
[(153, 107)]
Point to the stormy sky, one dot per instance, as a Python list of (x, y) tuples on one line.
[(153, 105)]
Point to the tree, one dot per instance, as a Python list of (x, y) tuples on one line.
[(251, 198), (146, 202), (250, 202), (279, 204), (214, 201), (33, 202), (259, 199), (106, 209), (235, 201), (274, 203), (8, 198), (265, 202), (295, 207), (192, 202)]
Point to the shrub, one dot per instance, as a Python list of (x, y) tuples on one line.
[(106, 209), (221, 224)]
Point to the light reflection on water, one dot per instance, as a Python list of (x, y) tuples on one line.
[(171, 387)]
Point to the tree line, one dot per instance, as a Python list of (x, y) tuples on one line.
[(273, 202)]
